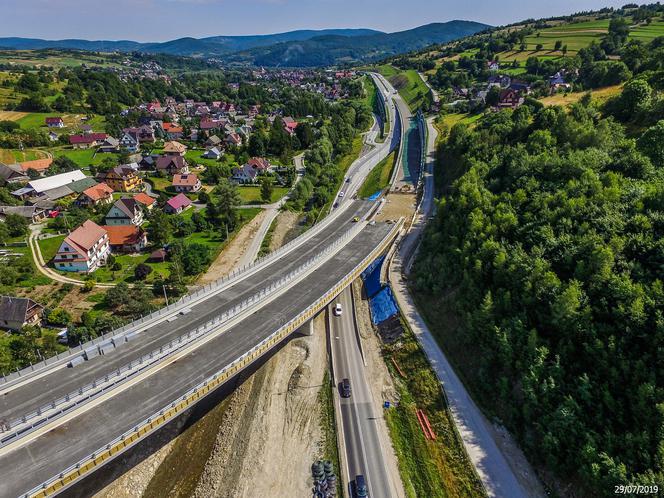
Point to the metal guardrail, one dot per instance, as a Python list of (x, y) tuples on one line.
[(128, 439), (96, 388), (205, 291)]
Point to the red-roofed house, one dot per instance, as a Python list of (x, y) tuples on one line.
[(177, 204), (95, 196), (145, 200), (173, 131), (56, 122), (126, 238), (87, 140), (290, 124), (186, 183), (83, 250)]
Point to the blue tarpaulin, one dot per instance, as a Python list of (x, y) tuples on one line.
[(371, 277), (381, 301), (383, 306), (375, 196)]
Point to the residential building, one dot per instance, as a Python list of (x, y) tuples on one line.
[(38, 165), (213, 141), (83, 250), (126, 238), (172, 165), (87, 140), (129, 142), (233, 139), (260, 164), (17, 312), (125, 211), (97, 195), (510, 98), (55, 122), (109, 145), (174, 148), (290, 124), (245, 174), (213, 153), (142, 134), (123, 178), (186, 183), (173, 131), (146, 202), (13, 173), (177, 204), (33, 214)]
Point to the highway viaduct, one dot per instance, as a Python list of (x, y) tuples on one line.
[(77, 418)]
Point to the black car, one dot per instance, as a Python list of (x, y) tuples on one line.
[(345, 388), (361, 487)]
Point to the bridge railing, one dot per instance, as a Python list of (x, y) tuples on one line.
[(12, 430), (173, 409), (188, 299)]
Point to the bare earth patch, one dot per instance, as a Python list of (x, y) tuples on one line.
[(398, 205), (11, 115), (228, 258), (285, 230), (267, 447)]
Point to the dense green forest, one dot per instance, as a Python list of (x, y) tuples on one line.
[(542, 276)]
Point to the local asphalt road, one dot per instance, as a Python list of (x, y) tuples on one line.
[(364, 453)]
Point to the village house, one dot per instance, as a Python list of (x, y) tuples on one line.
[(145, 201), (17, 312), (509, 98), (175, 149), (142, 134), (55, 122), (13, 173), (177, 204), (97, 195), (87, 140), (172, 165), (213, 141), (244, 175), (83, 250), (233, 139), (123, 178), (32, 214), (125, 211), (129, 142), (126, 238), (38, 165), (173, 131), (557, 82), (289, 125), (186, 183), (110, 145), (213, 153)]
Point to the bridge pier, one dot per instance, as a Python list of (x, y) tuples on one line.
[(307, 329)]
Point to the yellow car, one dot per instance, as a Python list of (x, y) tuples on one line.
[(356, 219)]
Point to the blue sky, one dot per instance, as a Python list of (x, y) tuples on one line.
[(158, 20)]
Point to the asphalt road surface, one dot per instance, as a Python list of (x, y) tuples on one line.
[(364, 453), (49, 454)]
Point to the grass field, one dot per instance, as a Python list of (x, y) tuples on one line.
[(599, 95), (82, 157), (9, 156), (49, 247), (252, 194), (72, 122), (378, 178), (55, 59), (409, 84), (436, 468)]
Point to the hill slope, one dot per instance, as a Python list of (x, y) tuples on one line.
[(303, 48), (329, 50), (210, 46)]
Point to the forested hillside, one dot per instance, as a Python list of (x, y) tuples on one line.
[(542, 275)]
